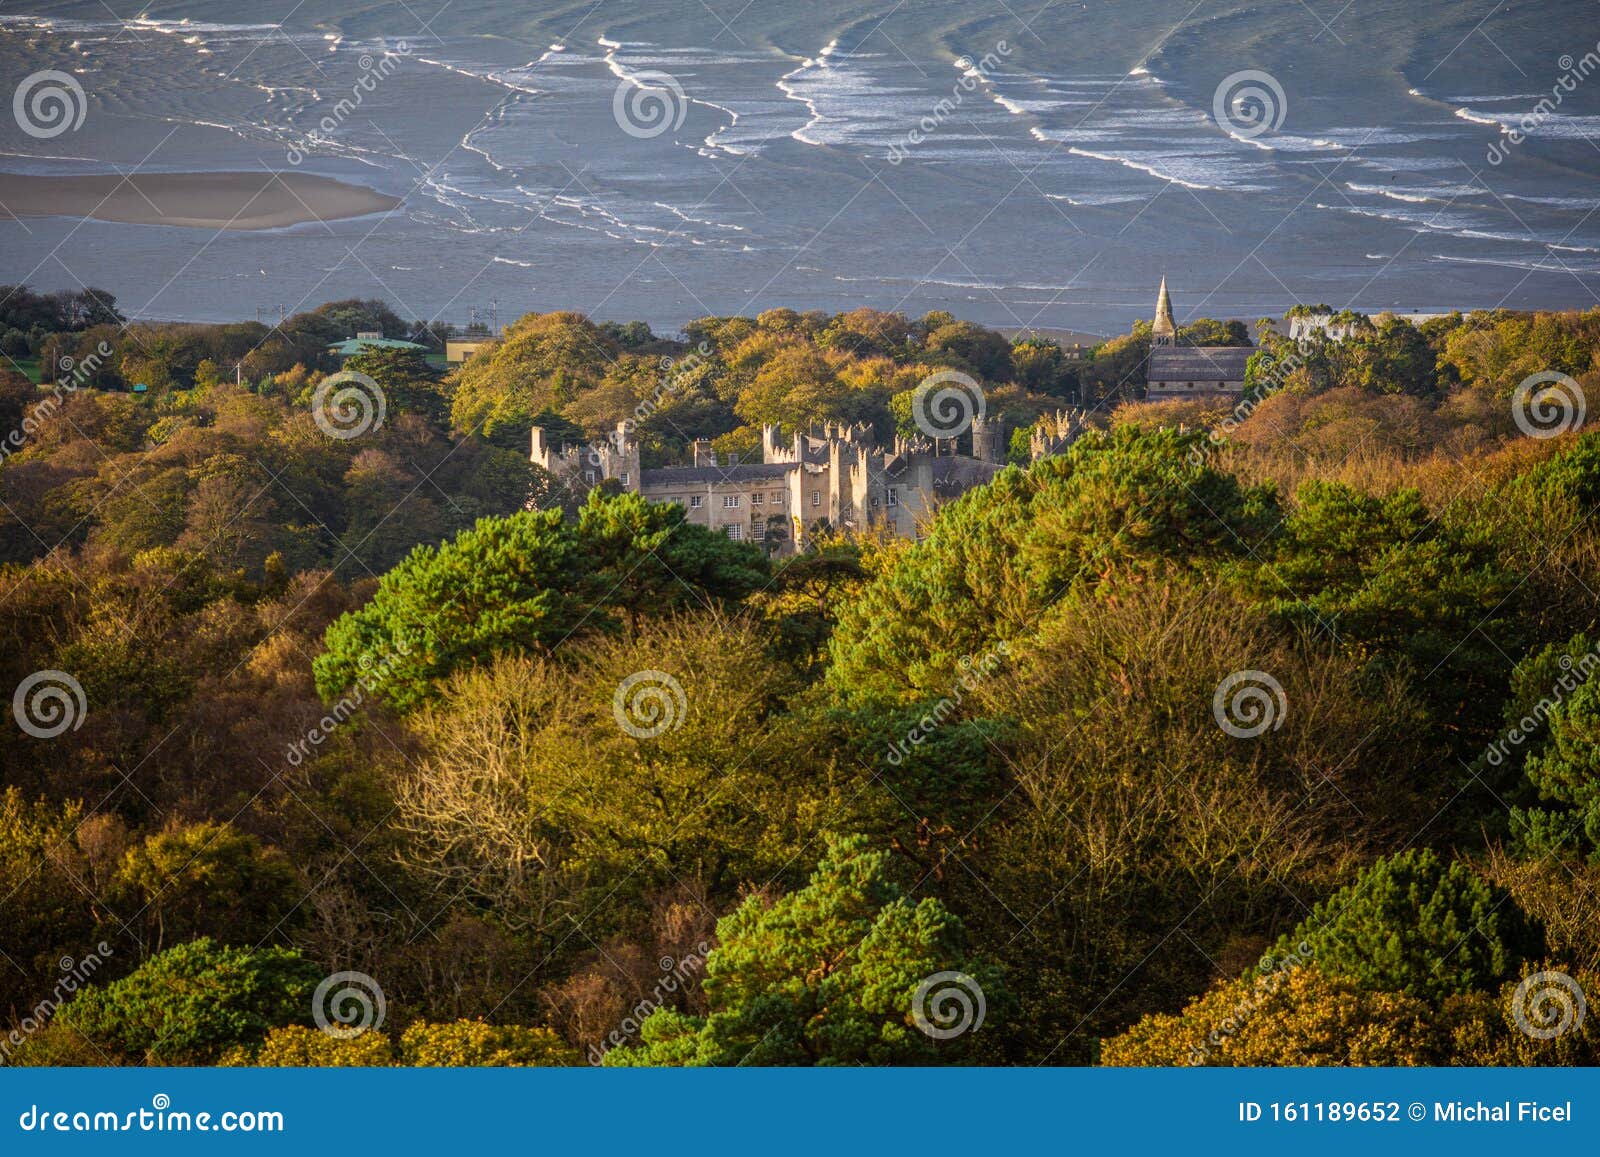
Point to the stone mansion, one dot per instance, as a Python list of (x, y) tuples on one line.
[(835, 477)]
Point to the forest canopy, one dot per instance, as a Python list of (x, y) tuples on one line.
[(1237, 732)]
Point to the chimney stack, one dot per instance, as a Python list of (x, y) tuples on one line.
[(703, 454)]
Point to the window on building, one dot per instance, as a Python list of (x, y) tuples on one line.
[(756, 499), (624, 477), (730, 501), (758, 531), (777, 498), (588, 476), (694, 502), (734, 531), (816, 498), (893, 498)]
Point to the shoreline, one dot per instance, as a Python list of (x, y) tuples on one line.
[(244, 201)]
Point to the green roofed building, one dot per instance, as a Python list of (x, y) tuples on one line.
[(371, 341)]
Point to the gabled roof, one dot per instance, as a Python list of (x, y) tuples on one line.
[(958, 475), (1215, 363), (692, 475)]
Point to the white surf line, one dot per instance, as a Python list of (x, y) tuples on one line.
[(1151, 170), (622, 73), (788, 90), (1467, 114)]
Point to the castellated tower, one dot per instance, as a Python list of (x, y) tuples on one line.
[(1053, 433), (581, 468), (833, 477), (988, 440)]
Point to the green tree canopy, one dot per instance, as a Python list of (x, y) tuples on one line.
[(994, 558), (524, 583), (1418, 924), (829, 975), (191, 1003)]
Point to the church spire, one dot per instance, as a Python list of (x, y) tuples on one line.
[(1164, 331)]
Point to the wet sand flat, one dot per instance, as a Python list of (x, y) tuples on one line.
[(259, 200)]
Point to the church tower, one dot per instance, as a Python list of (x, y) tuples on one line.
[(1163, 332)]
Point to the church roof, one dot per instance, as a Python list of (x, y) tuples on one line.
[(1215, 363)]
